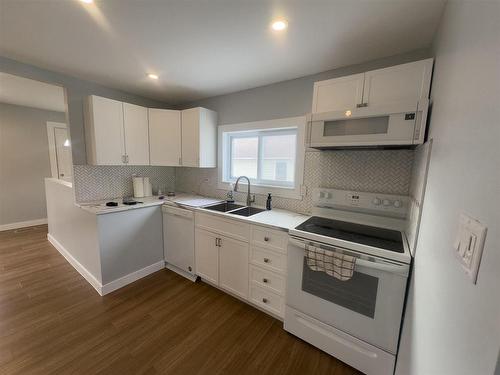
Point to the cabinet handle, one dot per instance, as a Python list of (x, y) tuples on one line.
[(264, 280), (266, 260), (264, 300), (180, 161), (216, 242), (361, 105), (266, 239)]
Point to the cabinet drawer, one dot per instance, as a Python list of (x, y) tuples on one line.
[(269, 238), (267, 280), (267, 300), (230, 228), (268, 259)]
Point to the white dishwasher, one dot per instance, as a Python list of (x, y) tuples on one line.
[(178, 240)]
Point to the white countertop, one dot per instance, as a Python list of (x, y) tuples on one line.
[(99, 207), (275, 218)]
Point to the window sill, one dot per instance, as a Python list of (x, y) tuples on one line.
[(276, 191)]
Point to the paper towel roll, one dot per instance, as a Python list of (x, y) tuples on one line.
[(138, 183), (148, 189)]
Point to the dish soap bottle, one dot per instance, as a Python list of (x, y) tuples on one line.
[(268, 201)]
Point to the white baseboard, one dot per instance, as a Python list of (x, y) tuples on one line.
[(131, 277), (22, 224), (113, 285), (76, 265)]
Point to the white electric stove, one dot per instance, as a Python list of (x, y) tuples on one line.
[(356, 320)]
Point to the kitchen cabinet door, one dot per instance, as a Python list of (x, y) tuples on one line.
[(401, 83), (338, 94), (190, 137), (199, 138), (233, 266), (136, 134), (165, 137), (104, 136), (206, 255)]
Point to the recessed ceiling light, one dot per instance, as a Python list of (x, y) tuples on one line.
[(153, 76), (87, 1), (279, 25)]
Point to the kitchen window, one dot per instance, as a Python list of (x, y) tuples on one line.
[(270, 153)]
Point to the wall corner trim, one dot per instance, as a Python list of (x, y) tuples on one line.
[(111, 286)]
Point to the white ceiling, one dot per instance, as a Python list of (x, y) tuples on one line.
[(204, 48), (31, 93)]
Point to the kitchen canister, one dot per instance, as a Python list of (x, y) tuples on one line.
[(138, 183)]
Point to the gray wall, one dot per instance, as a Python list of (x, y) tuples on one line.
[(76, 91), (288, 98), (452, 326), (24, 162), (378, 171)]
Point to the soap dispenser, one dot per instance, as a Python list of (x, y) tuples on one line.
[(268, 202)]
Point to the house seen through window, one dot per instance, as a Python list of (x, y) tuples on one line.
[(267, 157)]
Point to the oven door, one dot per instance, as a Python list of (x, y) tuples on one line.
[(368, 306)]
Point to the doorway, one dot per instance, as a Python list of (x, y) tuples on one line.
[(61, 164)]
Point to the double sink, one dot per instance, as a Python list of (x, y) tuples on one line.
[(234, 209)]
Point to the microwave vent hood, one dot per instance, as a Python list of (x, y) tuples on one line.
[(398, 125)]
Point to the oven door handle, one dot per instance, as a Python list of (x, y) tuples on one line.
[(371, 261)]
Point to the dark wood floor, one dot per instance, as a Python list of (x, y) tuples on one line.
[(53, 322)]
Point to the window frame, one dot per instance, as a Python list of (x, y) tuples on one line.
[(259, 128)]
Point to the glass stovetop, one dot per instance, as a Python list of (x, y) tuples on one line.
[(386, 239)]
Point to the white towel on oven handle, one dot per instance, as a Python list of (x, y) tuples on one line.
[(340, 266)]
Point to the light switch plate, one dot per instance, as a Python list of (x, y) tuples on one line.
[(469, 245)]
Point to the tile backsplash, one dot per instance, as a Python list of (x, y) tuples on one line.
[(381, 171), (94, 183)]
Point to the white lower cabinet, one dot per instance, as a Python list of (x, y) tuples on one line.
[(248, 261), (267, 300), (222, 261), (206, 255), (233, 266)]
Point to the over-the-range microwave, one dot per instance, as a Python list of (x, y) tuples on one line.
[(391, 125)]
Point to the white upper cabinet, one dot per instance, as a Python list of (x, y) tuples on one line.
[(104, 136), (401, 83), (116, 133), (338, 94), (165, 137), (136, 134), (199, 138), (406, 83), (119, 133)]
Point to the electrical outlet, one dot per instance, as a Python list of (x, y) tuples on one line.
[(469, 245)]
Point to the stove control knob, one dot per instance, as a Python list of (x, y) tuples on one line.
[(386, 202), (397, 204), (376, 201)]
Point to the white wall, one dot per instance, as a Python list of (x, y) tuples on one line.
[(73, 228), (453, 326)]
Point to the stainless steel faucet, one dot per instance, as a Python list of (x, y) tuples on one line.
[(250, 199)]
